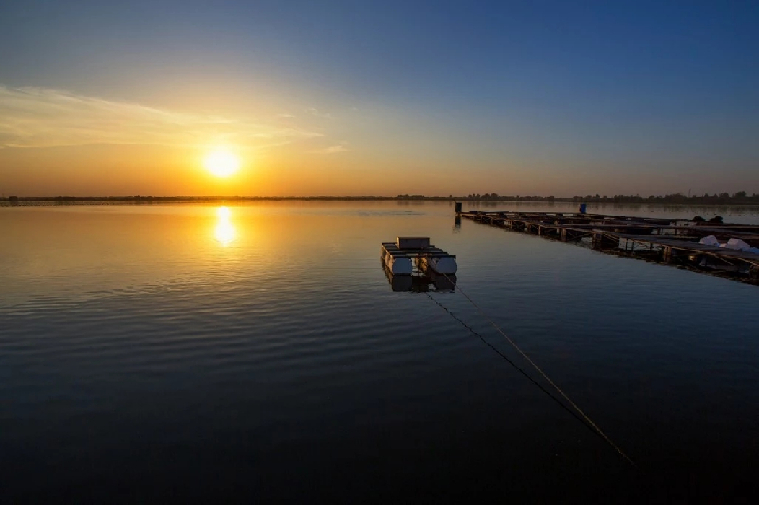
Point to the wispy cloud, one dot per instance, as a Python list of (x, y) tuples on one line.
[(316, 112), (41, 117), (331, 150)]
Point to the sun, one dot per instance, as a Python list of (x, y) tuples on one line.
[(222, 162)]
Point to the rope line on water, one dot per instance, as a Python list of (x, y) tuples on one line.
[(584, 419), (517, 367)]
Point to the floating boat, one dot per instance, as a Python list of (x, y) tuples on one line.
[(401, 256)]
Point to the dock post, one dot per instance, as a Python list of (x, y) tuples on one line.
[(603, 240), (457, 206)]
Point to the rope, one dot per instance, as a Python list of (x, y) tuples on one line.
[(520, 370), (585, 419)]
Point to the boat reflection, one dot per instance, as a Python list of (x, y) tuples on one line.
[(421, 282)]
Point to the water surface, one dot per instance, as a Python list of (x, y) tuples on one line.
[(257, 351)]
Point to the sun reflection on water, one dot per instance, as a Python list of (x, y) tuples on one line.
[(224, 232)]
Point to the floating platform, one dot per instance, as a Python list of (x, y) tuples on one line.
[(406, 254), (671, 241)]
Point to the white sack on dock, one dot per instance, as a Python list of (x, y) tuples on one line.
[(736, 244), (710, 240)]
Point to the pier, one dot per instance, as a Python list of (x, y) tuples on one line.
[(671, 241)]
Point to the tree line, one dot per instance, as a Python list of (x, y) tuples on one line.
[(715, 199), (740, 197)]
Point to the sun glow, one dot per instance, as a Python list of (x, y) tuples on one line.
[(222, 162)]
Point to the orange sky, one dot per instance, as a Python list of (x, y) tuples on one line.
[(376, 99), (68, 144), (62, 143)]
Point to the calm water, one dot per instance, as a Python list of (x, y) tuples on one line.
[(185, 352)]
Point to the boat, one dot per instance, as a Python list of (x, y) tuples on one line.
[(400, 257)]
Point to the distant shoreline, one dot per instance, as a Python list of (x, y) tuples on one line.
[(716, 200)]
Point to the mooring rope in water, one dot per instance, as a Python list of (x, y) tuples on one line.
[(585, 419)]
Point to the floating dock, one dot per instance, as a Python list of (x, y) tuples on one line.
[(407, 253), (672, 241)]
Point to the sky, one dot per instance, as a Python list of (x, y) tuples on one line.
[(379, 97)]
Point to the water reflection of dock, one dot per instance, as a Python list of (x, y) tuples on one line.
[(672, 241), (421, 281)]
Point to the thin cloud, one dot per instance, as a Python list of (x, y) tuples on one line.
[(315, 112), (331, 150), (41, 117)]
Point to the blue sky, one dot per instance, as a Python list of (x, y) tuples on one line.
[(530, 97)]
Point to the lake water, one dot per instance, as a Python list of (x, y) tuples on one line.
[(257, 352)]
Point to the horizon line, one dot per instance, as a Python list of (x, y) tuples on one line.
[(742, 195)]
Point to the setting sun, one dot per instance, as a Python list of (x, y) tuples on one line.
[(222, 163)]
